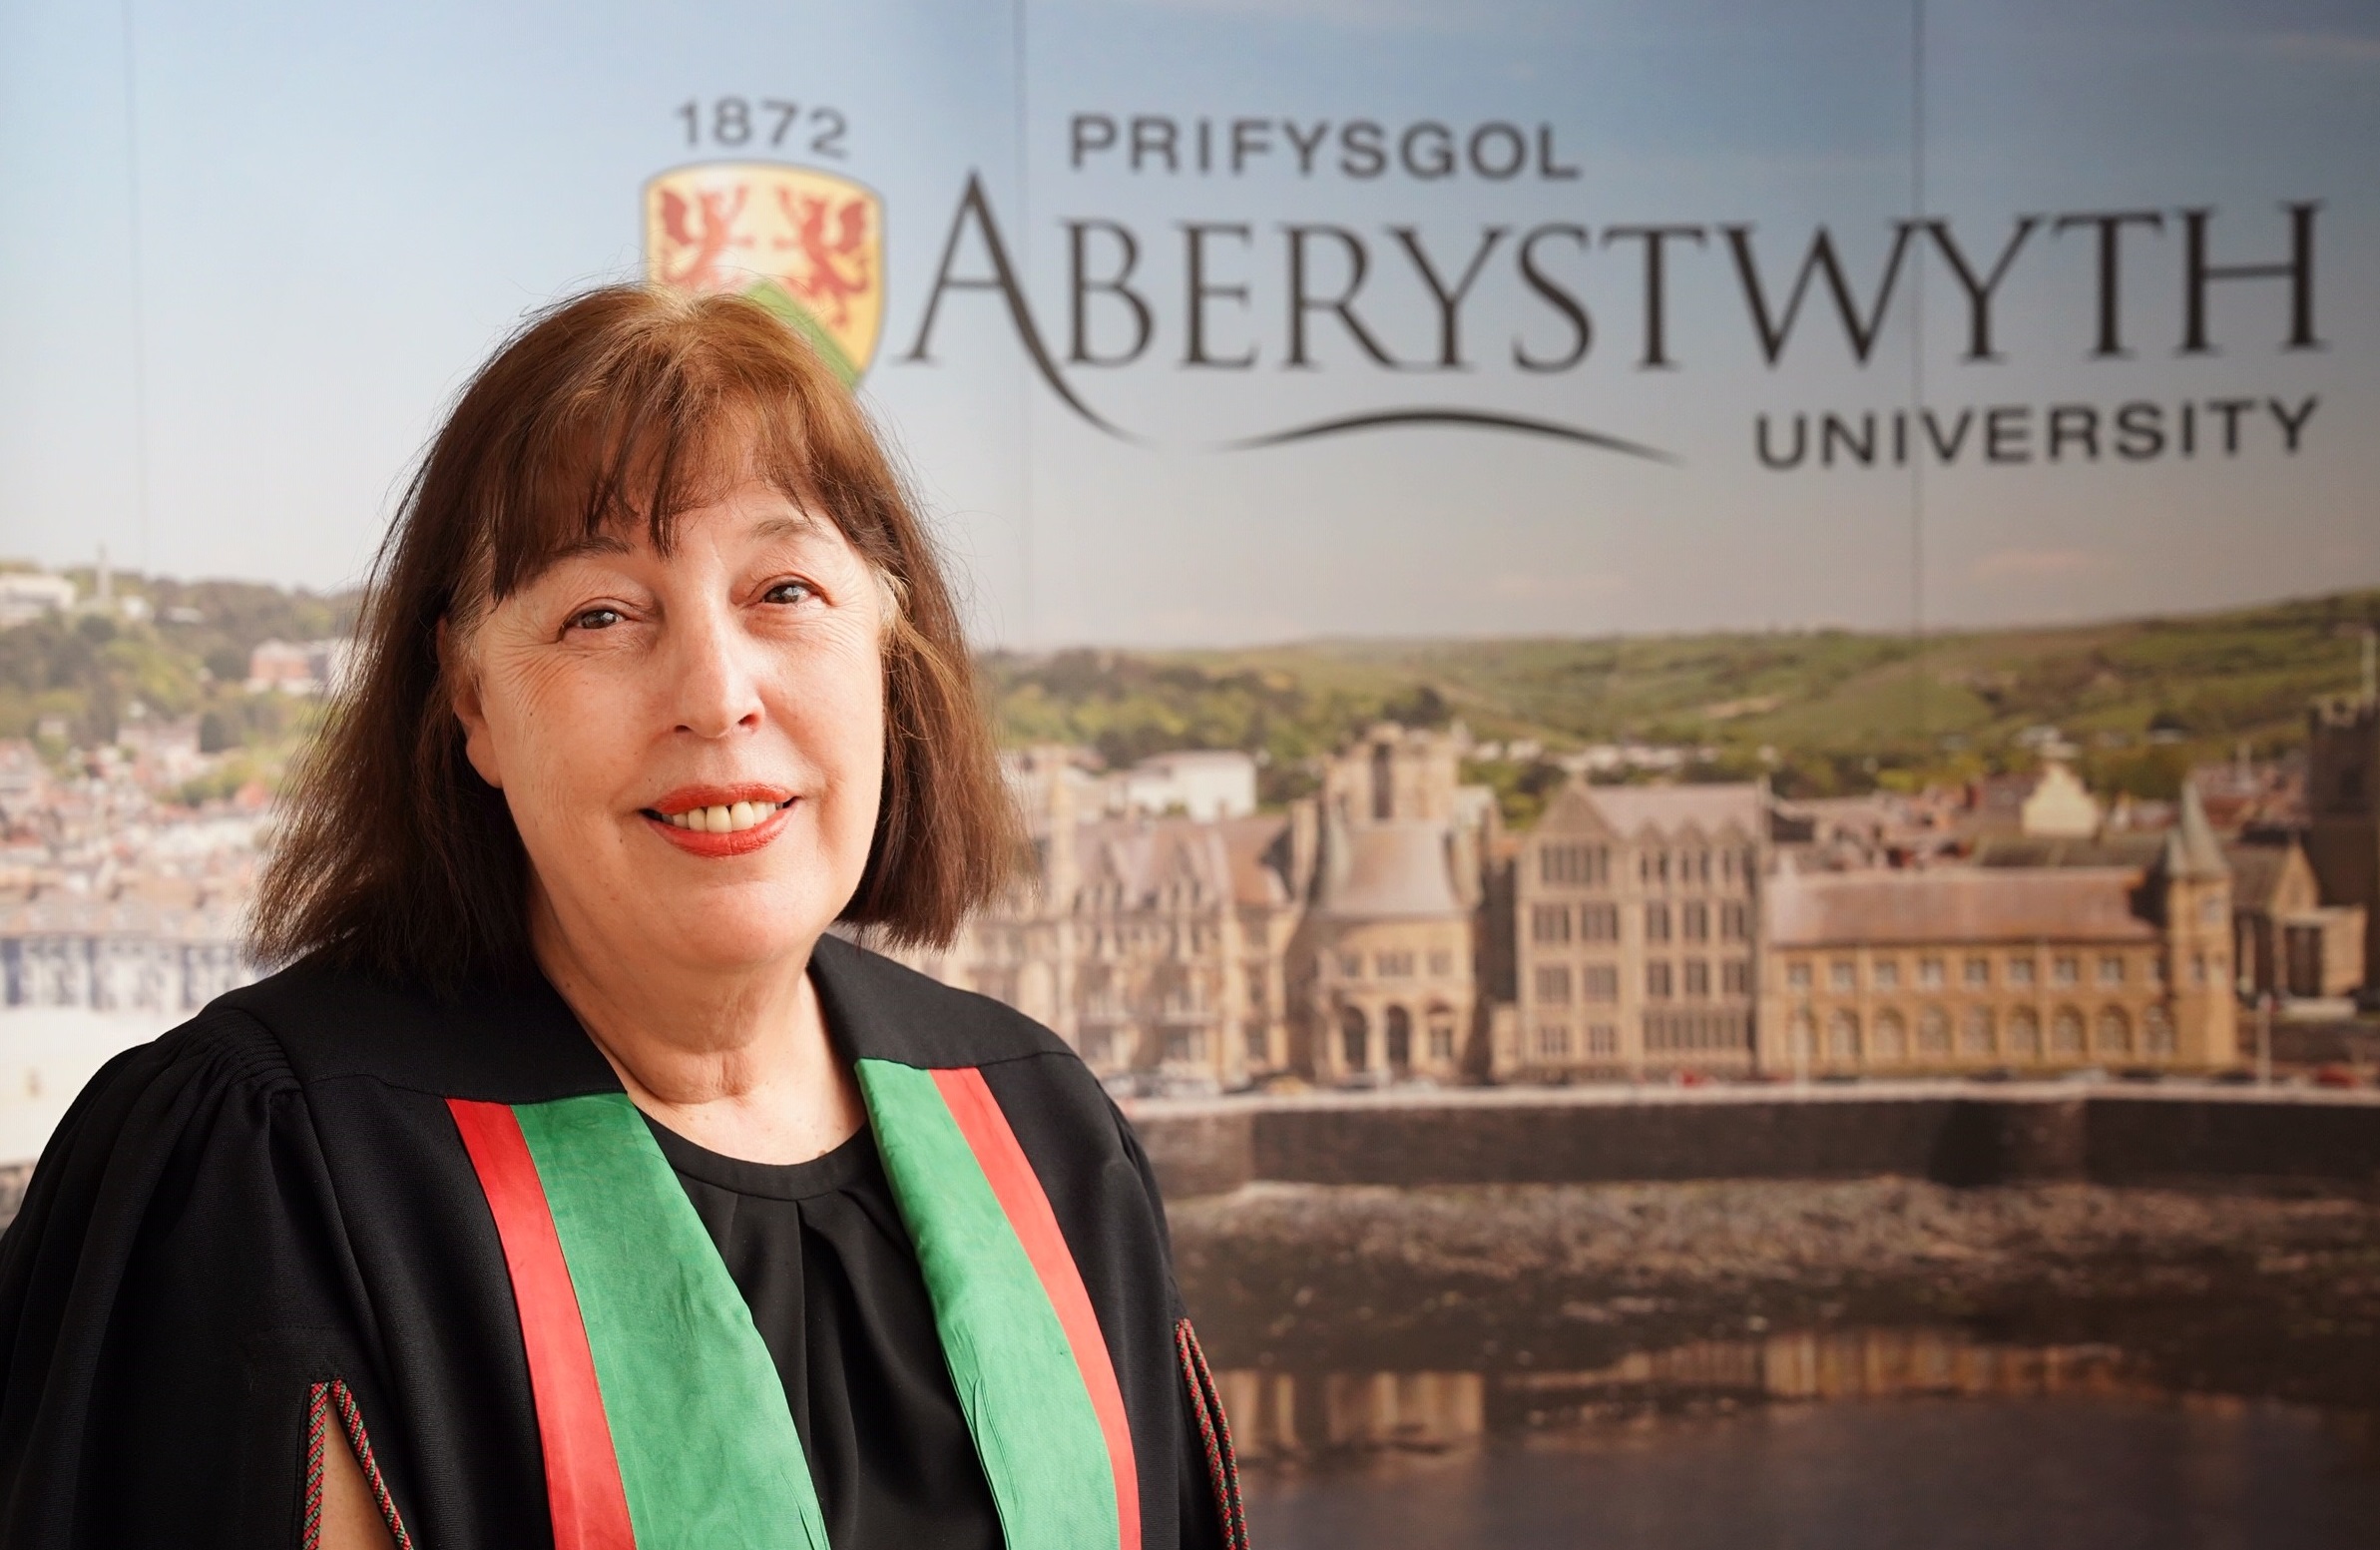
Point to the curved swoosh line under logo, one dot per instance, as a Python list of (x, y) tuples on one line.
[(1377, 419), (1475, 419)]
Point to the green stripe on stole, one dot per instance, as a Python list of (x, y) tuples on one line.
[(1017, 1380), (707, 1452)]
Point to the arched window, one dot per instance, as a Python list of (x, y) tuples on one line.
[(2114, 1034), (1976, 1035), (2023, 1034), (2066, 1032), (1355, 1039), (1842, 1035), (1400, 1039), (1892, 1036), (2156, 1033), (1933, 1033)]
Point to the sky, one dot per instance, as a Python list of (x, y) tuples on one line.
[(251, 251)]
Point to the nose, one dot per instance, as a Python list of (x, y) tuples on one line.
[(715, 682)]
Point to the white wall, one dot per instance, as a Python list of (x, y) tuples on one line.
[(47, 1053)]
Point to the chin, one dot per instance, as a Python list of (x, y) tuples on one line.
[(735, 929)]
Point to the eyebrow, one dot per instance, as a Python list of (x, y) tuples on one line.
[(780, 527), (593, 543), (609, 542)]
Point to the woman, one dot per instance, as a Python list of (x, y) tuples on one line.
[(572, 1186)]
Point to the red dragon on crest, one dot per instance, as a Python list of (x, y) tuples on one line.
[(834, 268), (705, 246)]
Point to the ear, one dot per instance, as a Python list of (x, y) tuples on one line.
[(462, 692)]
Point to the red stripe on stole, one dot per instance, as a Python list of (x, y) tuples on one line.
[(583, 1486), (1028, 1208)]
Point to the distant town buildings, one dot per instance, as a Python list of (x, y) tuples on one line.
[(1203, 784), (1388, 929), (29, 594), (2342, 841), (113, 897), (299, 666)]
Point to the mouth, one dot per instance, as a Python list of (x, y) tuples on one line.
[(721, 819)]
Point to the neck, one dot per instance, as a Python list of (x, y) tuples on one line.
[(736, 1060)]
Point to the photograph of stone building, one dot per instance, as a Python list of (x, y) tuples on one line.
[(1636, 933), (1386, 967), (1152, 943), (2343, 807), (2022, 969)]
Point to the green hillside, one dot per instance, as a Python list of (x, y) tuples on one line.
[(1834, 709), (1817, 710)]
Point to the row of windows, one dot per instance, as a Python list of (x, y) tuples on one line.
[(1355, 1037), (1395, 964), (1590, 867), (1982, 1033), (1663, 981), (1554, 1041), (1577, 866), (1976, 973), (1691, 922), (1698, 1033), (1132, 940)]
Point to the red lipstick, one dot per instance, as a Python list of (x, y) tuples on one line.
[(706, 842)]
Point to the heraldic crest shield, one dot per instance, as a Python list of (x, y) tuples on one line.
[(807, 245)]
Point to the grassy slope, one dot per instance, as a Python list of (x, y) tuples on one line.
[(1843, 709), (2222, 678)]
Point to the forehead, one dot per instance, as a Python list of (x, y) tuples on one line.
[(624, 476), (753, 514)]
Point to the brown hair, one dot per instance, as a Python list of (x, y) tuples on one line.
[(622, 406)]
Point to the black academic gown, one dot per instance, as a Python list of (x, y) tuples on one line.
[(273, 1198)]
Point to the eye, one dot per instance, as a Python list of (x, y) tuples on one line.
[(790, 592), (598, 618)]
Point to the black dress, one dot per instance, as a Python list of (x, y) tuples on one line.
[(818, 1251)]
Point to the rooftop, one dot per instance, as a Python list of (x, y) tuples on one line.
[(1388, 870), (1956, 905)]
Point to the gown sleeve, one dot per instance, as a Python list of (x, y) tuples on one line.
[(177, 1303), (1206, 1470)]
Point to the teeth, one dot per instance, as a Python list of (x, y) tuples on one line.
[(721, 820)]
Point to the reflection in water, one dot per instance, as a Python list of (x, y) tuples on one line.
[(1922, 1473), (1279, 1416), (1929, 1438)]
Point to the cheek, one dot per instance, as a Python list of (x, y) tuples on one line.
[(838, 718), (557, 743)]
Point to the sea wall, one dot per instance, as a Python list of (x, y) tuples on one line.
[(1950, 1134)]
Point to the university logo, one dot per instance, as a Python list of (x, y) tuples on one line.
[(807, 245)]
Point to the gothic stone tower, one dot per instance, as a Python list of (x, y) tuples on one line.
[(2192, 883)]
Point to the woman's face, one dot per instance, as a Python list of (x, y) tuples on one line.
[(691, 745)]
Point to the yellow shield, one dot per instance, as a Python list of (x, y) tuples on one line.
[(807, 245)]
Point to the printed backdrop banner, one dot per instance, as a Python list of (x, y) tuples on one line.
[(1207, 322)]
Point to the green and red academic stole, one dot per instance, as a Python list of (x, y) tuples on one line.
[(664, 1424)]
